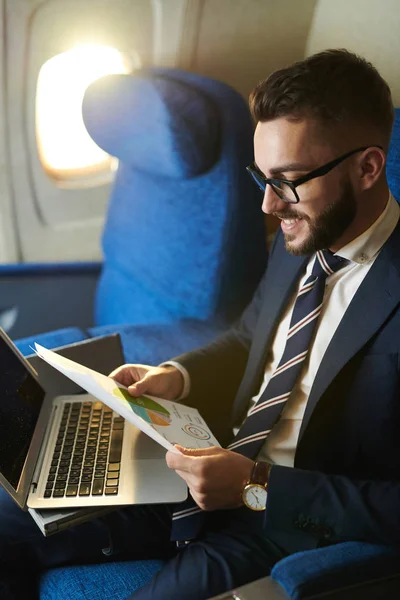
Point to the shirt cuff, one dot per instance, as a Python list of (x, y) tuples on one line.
[(185, 375)]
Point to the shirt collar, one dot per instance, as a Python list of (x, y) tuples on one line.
[(365, 247)]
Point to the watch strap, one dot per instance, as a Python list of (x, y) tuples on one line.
[(260, 473)]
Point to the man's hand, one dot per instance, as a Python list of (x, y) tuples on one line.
[(163, 382), (215, 476)]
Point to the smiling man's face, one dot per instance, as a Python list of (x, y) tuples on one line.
[(288, 149)]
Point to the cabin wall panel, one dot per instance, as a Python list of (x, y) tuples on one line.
[(241, 42), (58, 224), (367, 27), (9, 250)]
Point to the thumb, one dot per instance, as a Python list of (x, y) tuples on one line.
[(139, 387), (196, 451)]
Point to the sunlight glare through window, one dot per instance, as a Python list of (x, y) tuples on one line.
[(66, 150)]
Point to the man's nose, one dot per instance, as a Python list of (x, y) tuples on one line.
[(271, 201)]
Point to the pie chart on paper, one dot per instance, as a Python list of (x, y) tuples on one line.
[(146, 408)]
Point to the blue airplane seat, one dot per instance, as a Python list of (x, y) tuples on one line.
[(393, 159), (184, 234), (184, 237)]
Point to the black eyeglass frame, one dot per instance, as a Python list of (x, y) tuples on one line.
[(257, 175)]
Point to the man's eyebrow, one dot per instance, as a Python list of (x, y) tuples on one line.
[(288, 167)]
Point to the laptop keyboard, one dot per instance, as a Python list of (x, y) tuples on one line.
[(87, 455)]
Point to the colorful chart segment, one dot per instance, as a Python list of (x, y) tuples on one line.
[(146, 408)]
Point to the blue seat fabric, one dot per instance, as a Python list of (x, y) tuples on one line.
[(317, 571), (109, 581), (184, 236), (52, 339), (393, 159)]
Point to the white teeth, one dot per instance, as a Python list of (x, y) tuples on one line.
[(290, 221)]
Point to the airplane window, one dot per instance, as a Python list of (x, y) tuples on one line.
[(67, 152)]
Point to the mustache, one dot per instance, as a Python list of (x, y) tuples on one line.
[(289, 215)]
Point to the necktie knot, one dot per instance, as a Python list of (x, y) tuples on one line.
[(326, 263)]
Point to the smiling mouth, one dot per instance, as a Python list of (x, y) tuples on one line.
[(290, 221)]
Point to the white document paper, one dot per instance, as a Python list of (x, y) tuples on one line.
[(165, 421)]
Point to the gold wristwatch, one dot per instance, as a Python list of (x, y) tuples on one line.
[(254, 494)]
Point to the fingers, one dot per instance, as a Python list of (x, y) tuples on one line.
[(142, 386), (178, 461), (163, 382), (187, 458), (198, 451), (128, 374)]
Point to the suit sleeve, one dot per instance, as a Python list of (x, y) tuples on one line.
[(332, 508)]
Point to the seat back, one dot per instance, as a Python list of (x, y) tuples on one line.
[(393, 159), (184, 234)]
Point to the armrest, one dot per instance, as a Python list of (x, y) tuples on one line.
[(333, 569), (347, 571), (18, 270), (262, 589), (36, 298)]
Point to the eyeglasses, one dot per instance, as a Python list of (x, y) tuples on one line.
[(286, 189)]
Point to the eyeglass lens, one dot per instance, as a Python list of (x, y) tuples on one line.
[(282, 189)]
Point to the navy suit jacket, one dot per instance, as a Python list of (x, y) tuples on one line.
[(345, 484)]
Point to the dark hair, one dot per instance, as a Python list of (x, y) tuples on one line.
[(333, 86)]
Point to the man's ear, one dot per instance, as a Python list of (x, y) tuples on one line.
[(371, 165)]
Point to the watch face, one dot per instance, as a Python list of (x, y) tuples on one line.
[(255, 496)]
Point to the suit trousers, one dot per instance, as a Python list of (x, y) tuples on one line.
[(232, 551)]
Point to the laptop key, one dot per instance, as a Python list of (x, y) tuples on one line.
[(111, 491), (58, 493), (114, 466), (97, 488), (60, 483), (116, 446), (72, 490), (84, 489), (47, 494), (111, 483)]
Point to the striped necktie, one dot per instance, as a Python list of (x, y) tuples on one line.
[(266, 412)]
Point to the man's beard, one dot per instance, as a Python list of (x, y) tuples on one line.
[(327, 227)]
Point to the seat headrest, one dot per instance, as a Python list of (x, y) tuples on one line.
[(153, 123)]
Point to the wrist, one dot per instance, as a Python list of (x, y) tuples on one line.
[(254, 494), (177, 380), (183, 381)]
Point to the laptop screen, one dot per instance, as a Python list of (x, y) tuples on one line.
[(21, 399)]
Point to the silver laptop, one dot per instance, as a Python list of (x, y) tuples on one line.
[(73, 451)]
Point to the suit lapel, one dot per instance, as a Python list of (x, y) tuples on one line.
[(376, 298)]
